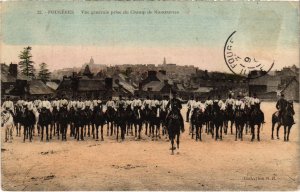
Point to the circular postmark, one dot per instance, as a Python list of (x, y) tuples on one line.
[(244, 65)]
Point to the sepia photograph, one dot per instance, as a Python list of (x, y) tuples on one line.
[(143, 95)]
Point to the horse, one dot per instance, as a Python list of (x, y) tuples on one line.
[(154, 122), (45, 119), (163, 115), (137, 122), (121, 122), (79, 122), (287, 121), (88, 120), (256, 118), (174, 127), (110, 117), (98, 120), (7, 122), (129, 118), (239, 120), (17, 119), (247, 111), (55, 124), (62, 120), (218, 121), (229, 116), (197, 121), (146, 114), (208, 120), (71, 118)]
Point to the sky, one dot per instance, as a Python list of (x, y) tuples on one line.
[(194, 35)]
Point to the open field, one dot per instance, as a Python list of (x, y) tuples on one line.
[(148, 165)]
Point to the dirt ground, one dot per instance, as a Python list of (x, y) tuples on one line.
[(148, 165)]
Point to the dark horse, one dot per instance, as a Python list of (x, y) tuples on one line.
[(88, 120), (197, 121), (174, 126), (218, 120), (229, 117), (17, 120), (79, 122), (110, 117), (256, 118), (121, 122), (98, 121), (137, 122), (45, 119), (28, 121), (63, 119), (208, 118), (240, 121), (154, 122), (287, 121), (54, 124)]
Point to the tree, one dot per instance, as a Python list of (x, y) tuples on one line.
[(26, 64), (44, 73)]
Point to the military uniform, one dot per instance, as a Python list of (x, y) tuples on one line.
[(175, 105), (9, 105)]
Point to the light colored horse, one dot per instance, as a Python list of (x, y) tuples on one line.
[(7, 121)]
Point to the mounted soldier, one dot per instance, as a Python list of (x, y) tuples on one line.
[(255, 103), (174, 106), (280, 106), (189, 104), (8, 105)]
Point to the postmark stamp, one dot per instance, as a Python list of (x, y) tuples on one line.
[(243, 65)]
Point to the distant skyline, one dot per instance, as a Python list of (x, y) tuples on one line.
[(196, 36)]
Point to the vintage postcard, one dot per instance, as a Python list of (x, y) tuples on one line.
[(149, 95)]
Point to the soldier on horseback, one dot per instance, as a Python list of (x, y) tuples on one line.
[(189, 104), (175, 106), (255, 103), (281, 105), (8, 105)]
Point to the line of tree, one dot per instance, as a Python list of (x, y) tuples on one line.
[(26, 65)]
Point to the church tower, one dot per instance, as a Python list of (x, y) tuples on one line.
[(91, 61)]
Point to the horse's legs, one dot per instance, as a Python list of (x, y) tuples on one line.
[(178, 141), (172, 143), (272, 136), (288, 133), (25, 132), (47, 132), (200, 132), (89, 132), (93, 130), (217, 132), (221, 130), (42, 133), (77, 132), (241, 132), (112, 128), (212, 129), (123, 130), (236, 131), (252, 132), (231, 125), (102, 132), (284, 132), (117, 132), (107, 125), (277, 130), (258, 132), (81, 130)]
